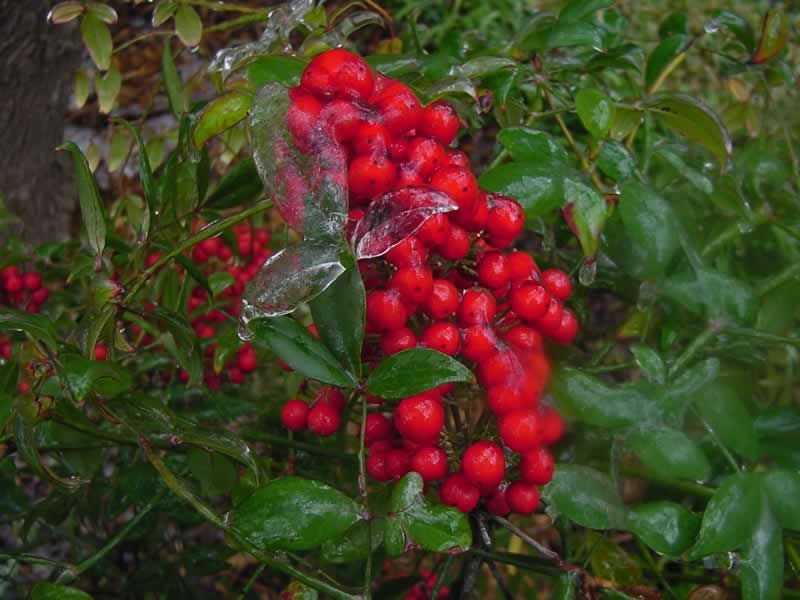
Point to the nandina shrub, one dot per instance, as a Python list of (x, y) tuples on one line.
[(409, 298)]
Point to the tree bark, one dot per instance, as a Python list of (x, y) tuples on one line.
[(36, 75)]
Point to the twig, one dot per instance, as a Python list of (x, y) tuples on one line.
[(250, 582), (546, 552)]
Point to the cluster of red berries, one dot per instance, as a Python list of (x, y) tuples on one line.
[(22, 290), (453, 286)]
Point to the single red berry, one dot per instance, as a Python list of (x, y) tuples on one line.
[(456, 245), (426, 155), (370, 176), (439, 120), (524, 338), (456, 158), (478, 342), (294, 415), (414, 284), (32, 281), (496, 503), (385, 310), (460, 492), (430, 462), (477, 307), (506, 218), (247, 360), (236, 375), (520, 429), (14, 284), (323, 419), (376, 465), (522, 497), (443, 300), (419, 418), (371, 139), (100, 351), (480, 213), (40, 296), (398, 340), (340, 73), (549, 324), (24, 387), (343, 118), (521, 265), (493, 271), (567, 329), (552, 425), (410, 252), (407, 176), (398, 108), (503, 399), (332, 396), (377, 427), (484, 464), (557, 283), (500, 367), (530, 301), (462, 187), (435, 230), (536, 466), (442, 336), (398, 462)]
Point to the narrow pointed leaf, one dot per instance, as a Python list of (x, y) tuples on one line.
[(774, 34), (97, 38), (220, 115), (172, 81), (188, 25), (415, 371), (91, 204)]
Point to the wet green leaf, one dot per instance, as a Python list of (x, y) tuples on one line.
[(145, 173), (216, 473), (714, 294), (576, 10), (537, 186), (531, 145), (104, 377), (737, 25), (37, 326), (609, 561), (103, 12), (586, 497), (164, 11), (670, 454), (172, 81), (91, 205), (80, 92), (774, 34), (353, 544), (64, 12), (616, 161), (666, 527), (285, 70), (650, 363), (52, 591), (664, 58), (721, 405), (108, 87), (589, 212), (414, 371), (220, 115), (761, 569), (239, 186), (782, 488), (188, 25), (595, 110)]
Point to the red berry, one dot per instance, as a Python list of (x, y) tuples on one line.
[(456, 158), (552, 426), (439, 120), (462, 187), (456, 245), (478, 342), (371, 139), (497, 504), (340, 73), (100, 351), (398, 462), (522, 497), (398, 148), (343, 118), (477, 307), (236, 375), (460, 492), (500, 367), (32, 281), (521, 266), (377, 427), (480, 213), (13, 284), (524, 338), (426, 155), (530, 301), (557, 283), (385, 310), (435, 231), (410, 252), (503, 399), (442, 336), (24, 387), (567, 329), (376, 465), (549, 323), (332, 396), (40, 296), (484, 464), (301, 120), (294, 415), (399, 108), (370, 176), (323, 419), (493, 271), (413, 283), (506, 219), (443, 300), (536, 466), (520, 429), (398, 340), (247, 360), (419, 418), (430, 463)]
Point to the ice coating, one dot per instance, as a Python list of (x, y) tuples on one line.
[(396, 215)]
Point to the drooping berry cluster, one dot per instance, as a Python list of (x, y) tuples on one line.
[(22, 290), (454, 286)]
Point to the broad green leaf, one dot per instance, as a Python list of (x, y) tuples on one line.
[(537, 186), (220, 115), (108, 87), (774, 35), (103, 12), (714, 294), (81, 89), (240, 185), (576, 10), (674, 399), (91, 205), (119, 148), (676, 23), (172, 81), (97, 38), (650, 363), (164, 11), (53, 591), (215, 472), (670, 454), (340, 329), (667, 527), (285, 70), (721, 405), (616, 161), (738, 26), (353, 544), (664, 58), (593, 402), (595, 110), (586, 497), (782, 488), (731, 516), (625, 121), (227, 344), (414, 371), (589, 212), (609, 561), (481, 66), (565, 34), (761, 568), (692, 118), (188, 25), (64, 12), (302, 351), (394, 538), (104, 377), (294, 514), (531, 145), (38, 327), (219, 282)]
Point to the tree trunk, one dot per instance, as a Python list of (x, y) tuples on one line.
[(36, 75)]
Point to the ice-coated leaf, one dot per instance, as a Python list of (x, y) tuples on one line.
[(396, 215), (308, 184), (290, 277)]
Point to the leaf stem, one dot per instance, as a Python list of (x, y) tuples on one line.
[(442, 574), (232, 23), (35, 560), (695, 347), (546, 552), (250, 582)]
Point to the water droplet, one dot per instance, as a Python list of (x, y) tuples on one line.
[(588, 272), (711, 26)]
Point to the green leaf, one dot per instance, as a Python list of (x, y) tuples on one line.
[(172, 81), (575, 10), (593, 402), (731, 516), (431, 526), (80, 91), (104, 377), (353, 544), (91, 204), (216, 473), (285, 70), (108, 87), (6, 407), (721, 406), (97, 38), (589, 213), (586, 497), (714, 294), (188, 25), (240, 185), (690, 117), (738, 26), (595, 110), (609, 561), (670, 454), (164, 11), (666, 527), (220, 115), (219, 282), (414, 371), (145, 170), (774, 35), (537, 186), (650, 363), (38, 327), (531, 145), (52, 591), (394, 538), (64, 12), (294, 514), (761, 568), (302, 351), (783, 489), (119, 148), (103, 12), (227, 344), (616, 161), (664, 58)]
